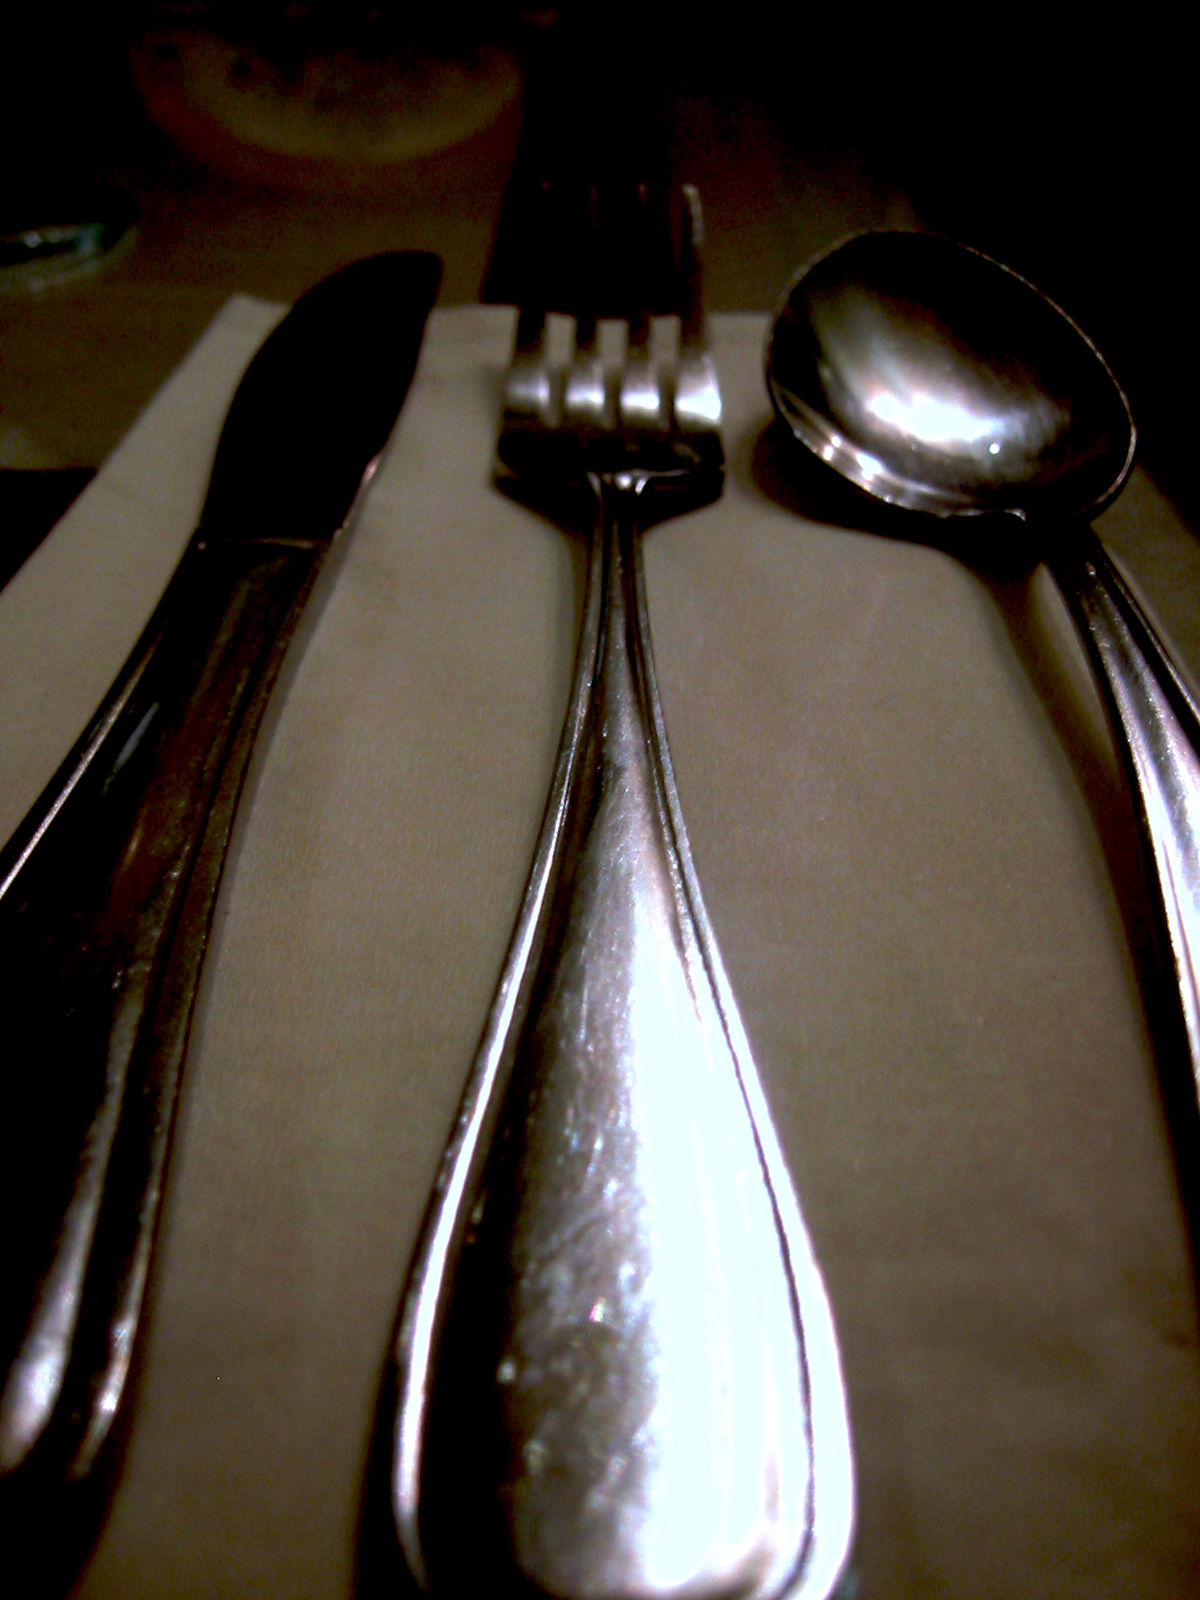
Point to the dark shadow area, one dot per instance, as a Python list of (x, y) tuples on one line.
[(67, 106), (380, 1572), (569, 507), (1063, 147), (790, 476), (1051, 143), (49, 1528), (1003, 555), (30, 504)]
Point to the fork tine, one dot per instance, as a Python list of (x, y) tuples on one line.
[(530, 390), (535, 298), (644, 400), (691, 269), (697, 392), (644, 413), (589, 400)]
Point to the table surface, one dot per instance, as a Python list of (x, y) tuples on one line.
[(977, 1133)]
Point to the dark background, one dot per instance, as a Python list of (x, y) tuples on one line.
[(1063, 146)]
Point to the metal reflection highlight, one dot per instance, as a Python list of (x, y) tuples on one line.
[(617, 1362), (933, 420), (656, 1430), (616, 1370)]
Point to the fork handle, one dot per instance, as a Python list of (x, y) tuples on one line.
[(616, 1361)]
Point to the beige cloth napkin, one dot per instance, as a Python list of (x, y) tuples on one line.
[(910, 831)]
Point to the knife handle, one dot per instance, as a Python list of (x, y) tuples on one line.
[(106, 900)]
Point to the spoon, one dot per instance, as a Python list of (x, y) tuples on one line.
[(936, 379)]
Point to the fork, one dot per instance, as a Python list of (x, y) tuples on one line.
[(616, 1367)]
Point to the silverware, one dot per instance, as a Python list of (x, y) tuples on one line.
[(936, 379), (617, 1371), (107, 889)]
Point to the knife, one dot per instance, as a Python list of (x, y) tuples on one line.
[(107, 888)]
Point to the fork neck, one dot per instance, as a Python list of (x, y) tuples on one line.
[(619, 683)]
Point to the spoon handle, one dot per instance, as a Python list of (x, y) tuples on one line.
[(617, 1368), (1157, 724)]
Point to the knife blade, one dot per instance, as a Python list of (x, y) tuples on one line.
[(108, 887)]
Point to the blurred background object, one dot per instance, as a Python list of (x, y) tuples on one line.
[(322, 97), (261, 145)]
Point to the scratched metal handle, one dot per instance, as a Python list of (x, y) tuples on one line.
[(107, 889), (1157, 726), (106, 896), (617, 1367)]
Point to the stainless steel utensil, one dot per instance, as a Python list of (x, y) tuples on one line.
[(936, 379), (617, 1367), (107, 889)]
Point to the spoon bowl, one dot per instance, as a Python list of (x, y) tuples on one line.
[(935, 379)]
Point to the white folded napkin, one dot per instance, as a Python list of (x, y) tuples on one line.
[(911, 834)]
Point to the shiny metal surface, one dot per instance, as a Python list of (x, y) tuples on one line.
[(617, 1369), (936, 379), (107, 890), (1158, 715)]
